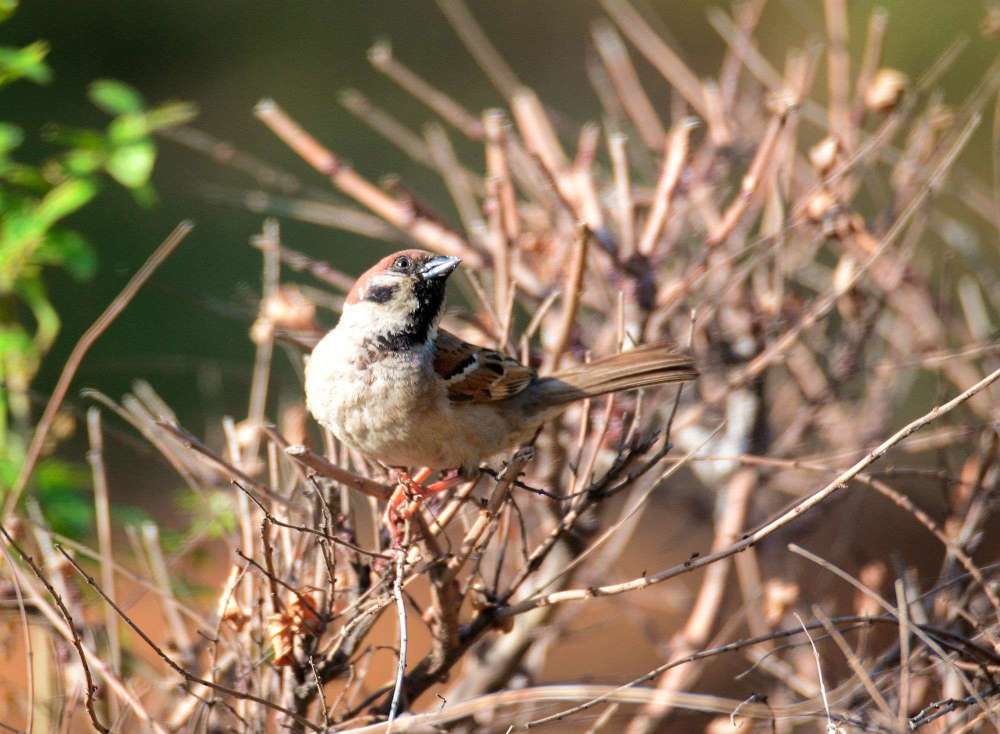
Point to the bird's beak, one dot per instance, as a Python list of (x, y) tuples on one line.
[(439, 267)]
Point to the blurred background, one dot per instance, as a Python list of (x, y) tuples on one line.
[(187, 332)]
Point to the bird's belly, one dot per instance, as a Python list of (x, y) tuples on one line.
[(381, 413), (382, 410), (395, 411), (378, 412)]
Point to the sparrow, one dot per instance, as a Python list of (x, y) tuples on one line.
[(390, 383)]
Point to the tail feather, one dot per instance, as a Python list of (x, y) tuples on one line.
[(644, 366)]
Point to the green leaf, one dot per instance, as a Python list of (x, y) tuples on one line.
[(32, 291), (7, 8), (25, 63), (131, 165), (14, 339), (64, 199), (114, 97), (9, 469), (128, 128), (129, 515), (70, 250), (212, 512), (61, 493), (10, 135), (145, 195), (27, 177), (21, 360), (170, 114), (20, 233), (83, 162), (73, 137)]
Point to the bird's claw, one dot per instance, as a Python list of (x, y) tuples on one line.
[(410, 492)]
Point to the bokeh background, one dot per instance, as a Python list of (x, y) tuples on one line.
[(188, 330)]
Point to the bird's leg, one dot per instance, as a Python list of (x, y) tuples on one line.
[(410, 491), (415, 482), (449, 479), (407, 488)]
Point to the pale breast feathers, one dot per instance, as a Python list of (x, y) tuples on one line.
[(476, 374)]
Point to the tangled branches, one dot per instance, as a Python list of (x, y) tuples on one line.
[(799, 275)]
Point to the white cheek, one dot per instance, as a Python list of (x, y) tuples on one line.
[(370, 317)]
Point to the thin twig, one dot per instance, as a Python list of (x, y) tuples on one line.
[(488, 58), (71, 625), (397, 594), (894, 611), (856, 665), (751, 539), (76, 356), (659, 54), (381, 57), (303, 529), (571, 298), (328, 470), (103, 516), (190, 677), (398, 213), (29, 653), (675, 154), (904, 654), (831, 728)]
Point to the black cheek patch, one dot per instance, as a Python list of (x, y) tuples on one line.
[(429, 297), (380, 293)]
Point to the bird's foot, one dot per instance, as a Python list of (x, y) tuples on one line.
[(410, 492)]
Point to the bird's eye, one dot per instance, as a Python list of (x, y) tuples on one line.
[(402, 264)]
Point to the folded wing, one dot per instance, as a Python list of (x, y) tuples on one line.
[(477, 374)]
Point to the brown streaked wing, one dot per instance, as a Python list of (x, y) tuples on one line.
[(477, 374)]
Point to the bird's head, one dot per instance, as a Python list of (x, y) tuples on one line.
[(399, 301)]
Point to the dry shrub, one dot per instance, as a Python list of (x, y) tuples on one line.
[(793, 246)]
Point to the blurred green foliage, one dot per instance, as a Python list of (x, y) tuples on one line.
[(36, 198), (211, 517)]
